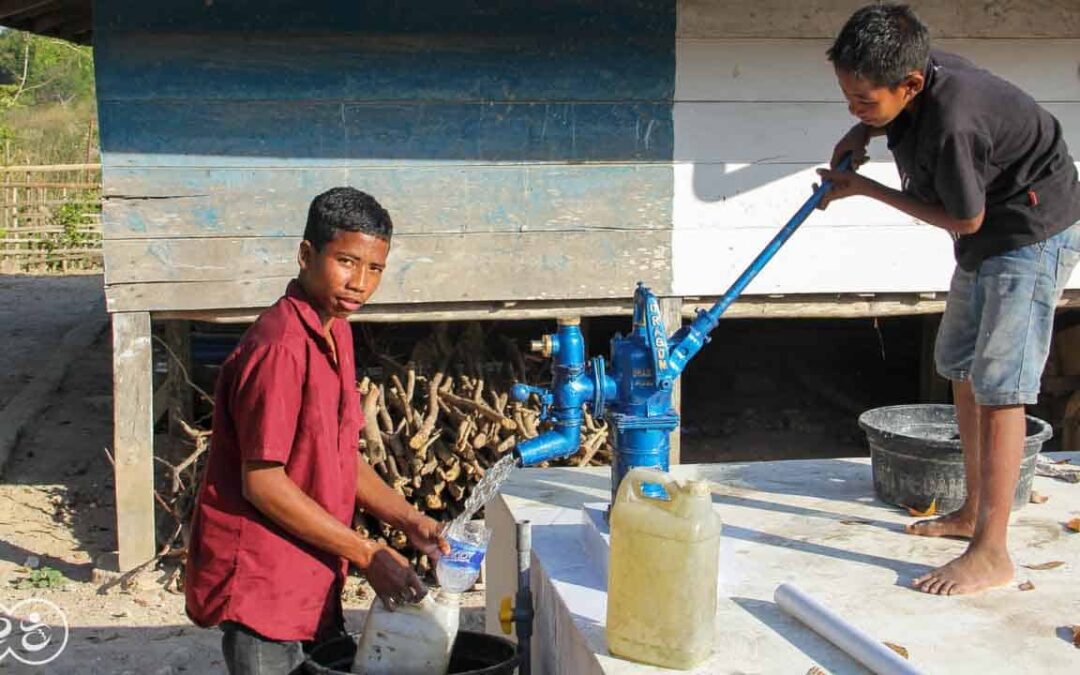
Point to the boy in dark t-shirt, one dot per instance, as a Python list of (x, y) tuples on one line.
[(982, 160)]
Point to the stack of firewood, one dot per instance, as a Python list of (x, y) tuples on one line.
[(443, 440), (431, 439)]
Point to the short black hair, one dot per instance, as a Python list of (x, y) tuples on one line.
[(882, 43), (345, 208)]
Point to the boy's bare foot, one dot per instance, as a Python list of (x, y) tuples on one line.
[(976, 570), (955, 524)]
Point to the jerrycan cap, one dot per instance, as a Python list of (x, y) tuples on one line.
[(698, 488)]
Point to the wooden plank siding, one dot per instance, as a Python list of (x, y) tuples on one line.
[(224, 273), (572, 18), (482, 132), (343, 64), (683, 131), (152, 202), (523, 154)]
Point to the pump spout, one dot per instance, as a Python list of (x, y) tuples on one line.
[(562, 441)]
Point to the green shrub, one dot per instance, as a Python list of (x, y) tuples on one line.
[(45, 577)]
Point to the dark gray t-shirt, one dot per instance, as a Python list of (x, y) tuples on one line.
[(976, 141)]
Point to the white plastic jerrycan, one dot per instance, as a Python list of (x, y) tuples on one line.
[(414, 639), (662, 570)]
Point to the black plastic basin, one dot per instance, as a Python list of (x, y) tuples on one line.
[(474, 654), (916, 455)]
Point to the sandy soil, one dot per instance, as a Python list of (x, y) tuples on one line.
[(34, 314), (57, 505)]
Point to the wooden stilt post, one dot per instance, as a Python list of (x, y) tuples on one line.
[(671, 311), (133, 438)]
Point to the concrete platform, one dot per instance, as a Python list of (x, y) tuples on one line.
[(814, 523)]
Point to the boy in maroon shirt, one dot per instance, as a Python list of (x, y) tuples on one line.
[(271, 536)]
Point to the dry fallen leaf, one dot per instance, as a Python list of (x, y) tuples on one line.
[(816, 671), (1062, 461), (854, 521), (1073, 524), (902, 651), (1038, 498), (1076, 636), (1026, 586), (930, 510), (1046, 565)]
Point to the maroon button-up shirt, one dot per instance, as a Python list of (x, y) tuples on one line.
[(281, 398)]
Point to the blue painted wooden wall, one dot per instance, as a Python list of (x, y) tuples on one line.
[(523, 149)]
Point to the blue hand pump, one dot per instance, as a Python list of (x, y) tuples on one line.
[(634, 391)]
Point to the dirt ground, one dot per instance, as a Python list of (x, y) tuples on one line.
[(57, 504)]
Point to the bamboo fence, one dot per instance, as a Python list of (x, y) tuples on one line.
[(50, 219)]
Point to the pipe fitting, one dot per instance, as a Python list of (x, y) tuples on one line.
[(541, 346)]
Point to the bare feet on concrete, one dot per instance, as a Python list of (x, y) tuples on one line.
[(976, 570), (959, 524)]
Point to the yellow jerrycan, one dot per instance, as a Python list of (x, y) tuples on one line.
[(662, 570)]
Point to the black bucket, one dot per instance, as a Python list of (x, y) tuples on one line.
[(917, 458), (473, 654)]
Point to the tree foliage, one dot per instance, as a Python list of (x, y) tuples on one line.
[(47, 109)]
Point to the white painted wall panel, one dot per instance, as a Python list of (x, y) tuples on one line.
[(866, 259), (823, 18), (753, 118), (798, 70), (786, 132)]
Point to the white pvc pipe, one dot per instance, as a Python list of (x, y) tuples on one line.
[(828, 624)]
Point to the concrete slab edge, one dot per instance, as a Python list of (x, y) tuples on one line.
[(595, 536)]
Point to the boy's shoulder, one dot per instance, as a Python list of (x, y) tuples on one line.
[(962, 97), (279, 327)]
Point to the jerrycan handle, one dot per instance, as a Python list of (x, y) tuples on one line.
[(632, 488)]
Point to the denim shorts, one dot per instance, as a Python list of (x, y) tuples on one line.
[(999, 319)]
